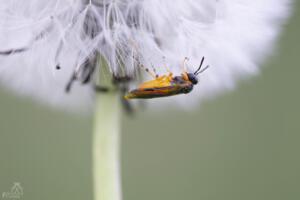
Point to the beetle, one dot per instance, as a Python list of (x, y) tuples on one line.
[(167, 85)]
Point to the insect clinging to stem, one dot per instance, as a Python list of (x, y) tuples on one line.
[(167, 85)]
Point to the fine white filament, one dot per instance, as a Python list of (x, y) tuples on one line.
[(44, 42)]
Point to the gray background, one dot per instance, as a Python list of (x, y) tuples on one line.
[(244, 145)]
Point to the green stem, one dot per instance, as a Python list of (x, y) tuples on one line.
[(106, 142)]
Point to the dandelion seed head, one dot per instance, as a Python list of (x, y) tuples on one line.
[(49, 40)]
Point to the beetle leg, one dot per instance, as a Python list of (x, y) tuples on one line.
[(184, 64), (121, 82), (153, 75), (127, 106), (165, 65), (154, 70)]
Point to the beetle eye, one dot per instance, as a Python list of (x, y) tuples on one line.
[(193, 78)]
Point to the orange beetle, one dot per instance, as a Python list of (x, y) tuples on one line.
[(167, 85)]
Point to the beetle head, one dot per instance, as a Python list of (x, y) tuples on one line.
[(193, 78)]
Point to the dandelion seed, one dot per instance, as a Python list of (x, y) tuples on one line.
[(48, 47)]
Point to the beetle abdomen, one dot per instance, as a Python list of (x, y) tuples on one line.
[(148, 93)]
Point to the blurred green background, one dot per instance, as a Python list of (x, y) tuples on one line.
[(242, 145)]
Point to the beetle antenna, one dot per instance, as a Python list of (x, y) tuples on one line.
[(201, 63), (203, 70)]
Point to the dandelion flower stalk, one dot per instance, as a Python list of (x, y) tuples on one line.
[(106, 143)]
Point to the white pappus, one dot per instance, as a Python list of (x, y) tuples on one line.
[(39, 36)]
